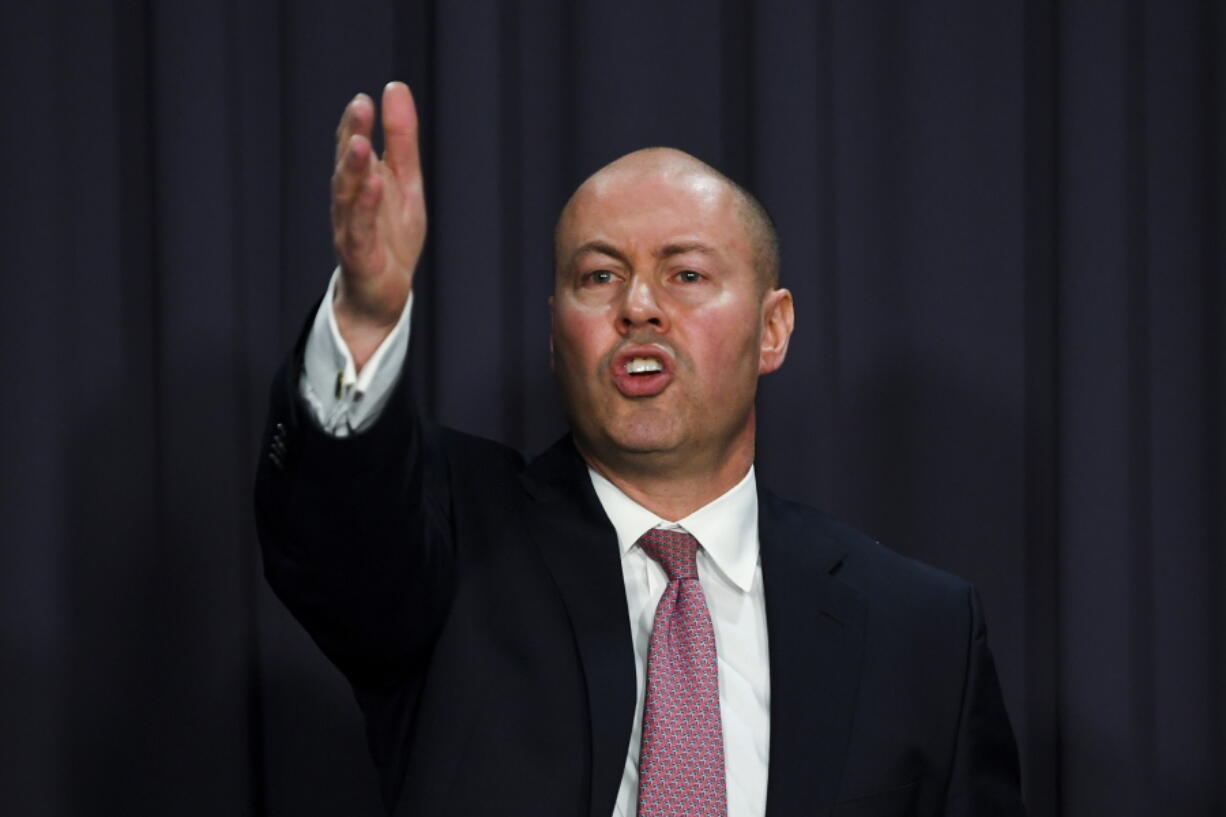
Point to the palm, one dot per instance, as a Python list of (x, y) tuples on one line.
[(401, 224), (378, 211)]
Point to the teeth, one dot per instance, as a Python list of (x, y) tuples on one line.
[(640, 365)]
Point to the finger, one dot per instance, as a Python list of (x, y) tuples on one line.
[(358, 117), (359, 236), (400, 149), (354, 168)]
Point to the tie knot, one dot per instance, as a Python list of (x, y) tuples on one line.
[(675, 550)]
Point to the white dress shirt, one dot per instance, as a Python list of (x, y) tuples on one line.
[(731, 576), (345, 400)]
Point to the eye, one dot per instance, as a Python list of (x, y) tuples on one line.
[(689, 276), (600, 276)]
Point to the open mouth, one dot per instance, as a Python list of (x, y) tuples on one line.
[(642, 372)]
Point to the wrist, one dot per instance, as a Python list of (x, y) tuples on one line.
[(365, 321), (377, 301)]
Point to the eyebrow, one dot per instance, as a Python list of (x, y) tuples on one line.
[(602, 247), (667, 251), (681, 248)]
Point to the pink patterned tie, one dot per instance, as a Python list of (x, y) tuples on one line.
[(681, 766)]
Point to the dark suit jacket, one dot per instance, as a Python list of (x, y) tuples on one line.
[(476, 605)]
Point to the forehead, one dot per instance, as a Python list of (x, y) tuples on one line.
[(641, 208)]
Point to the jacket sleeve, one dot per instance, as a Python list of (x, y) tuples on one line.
[(984, 781), (355, 531)]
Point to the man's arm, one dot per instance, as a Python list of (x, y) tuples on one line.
[(354, 531)]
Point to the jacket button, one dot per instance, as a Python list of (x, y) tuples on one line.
[(278, 452)]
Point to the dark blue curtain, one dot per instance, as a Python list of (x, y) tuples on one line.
[(1001, 221)]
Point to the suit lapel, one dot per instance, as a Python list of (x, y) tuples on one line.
[(816, 632), (579, 546)]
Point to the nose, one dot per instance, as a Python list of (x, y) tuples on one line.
[(641, 308)]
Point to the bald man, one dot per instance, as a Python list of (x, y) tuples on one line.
[(628, 623)]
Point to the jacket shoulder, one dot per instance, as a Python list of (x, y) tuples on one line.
[(475, 452), (875, 570)]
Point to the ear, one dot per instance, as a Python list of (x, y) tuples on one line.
[(551, 366), (778, 318)]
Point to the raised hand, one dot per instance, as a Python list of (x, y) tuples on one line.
[(378, 218)]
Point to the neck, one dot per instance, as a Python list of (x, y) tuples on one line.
[(672, 487)]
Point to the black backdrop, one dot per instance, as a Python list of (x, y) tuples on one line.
[(1002, 222)]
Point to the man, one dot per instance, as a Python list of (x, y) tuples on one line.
[(627, 624)]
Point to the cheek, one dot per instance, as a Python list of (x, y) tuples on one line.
[(577, 337), (725, 344)]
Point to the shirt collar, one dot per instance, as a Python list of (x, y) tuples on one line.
[(726, 527)]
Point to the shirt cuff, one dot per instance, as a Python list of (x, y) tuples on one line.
[(343, 400)]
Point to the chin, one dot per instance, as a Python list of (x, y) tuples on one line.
[(642, 435)]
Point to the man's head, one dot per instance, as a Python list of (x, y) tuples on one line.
[(764, 239), (665, 312)]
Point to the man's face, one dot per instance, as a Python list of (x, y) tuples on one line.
[(659, 316)]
